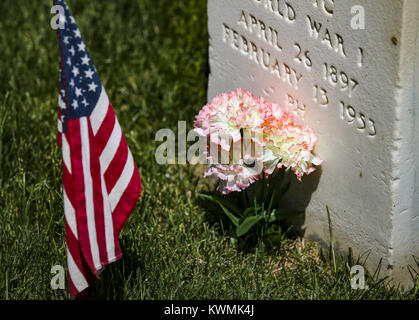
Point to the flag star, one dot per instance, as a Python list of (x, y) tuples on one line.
[(66, 40), (69, 61), (89, 74), (85, 60), (82, 46), (78, 92), (75, 104), (77, 33), (72, 19), (92, 87), (72, 84), (72, 51), (75, 71), (85, 103)]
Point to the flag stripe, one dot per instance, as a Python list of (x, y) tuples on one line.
[(104, 133), (73, 247), (99, 112), (109, 228), (122, 183), (70, 214), (111, 147), (59, 126), (66, 152), (77, 185), (126, 202), (76, 276), (88, 191), (97, 200), (117, 165)]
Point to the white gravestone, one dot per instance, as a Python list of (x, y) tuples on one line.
[(358, 89)]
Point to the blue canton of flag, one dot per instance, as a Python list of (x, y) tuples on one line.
[(80, 83)]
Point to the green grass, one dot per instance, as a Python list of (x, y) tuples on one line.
[(152, 59)]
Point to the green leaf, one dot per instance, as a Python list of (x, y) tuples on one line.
[(224, 207), (233, 241), (232, 217), (228, 204), (272, 228), (247, 224), (271, 202), (272, 216), (249, 212)]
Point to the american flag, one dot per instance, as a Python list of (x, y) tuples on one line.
[(101, 184)]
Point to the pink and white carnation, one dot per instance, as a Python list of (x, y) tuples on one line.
[(288, 143), (234, 177), (227, 114), (284, 142)]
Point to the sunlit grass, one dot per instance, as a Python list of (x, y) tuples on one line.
[(152, 59)]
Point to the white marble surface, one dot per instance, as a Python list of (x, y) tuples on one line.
[(358, 89)]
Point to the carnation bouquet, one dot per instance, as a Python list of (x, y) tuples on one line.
[(251, 143)]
